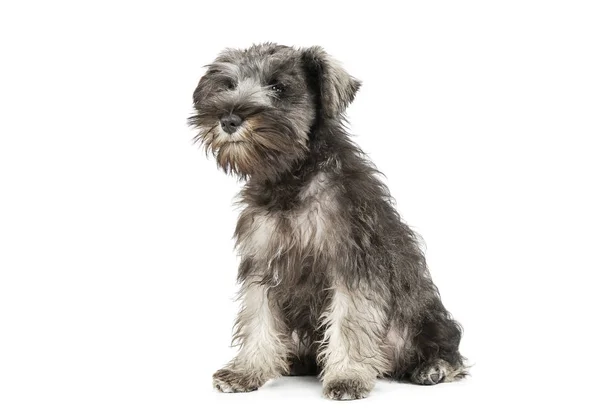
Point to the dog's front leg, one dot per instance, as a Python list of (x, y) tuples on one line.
[(351, 353), (264, 343)]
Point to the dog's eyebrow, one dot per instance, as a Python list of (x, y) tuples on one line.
[(276, 63), (228, 69)]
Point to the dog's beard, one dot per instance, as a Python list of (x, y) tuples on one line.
[(257, 148)]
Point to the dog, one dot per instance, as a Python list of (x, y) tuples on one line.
[(333, 282)]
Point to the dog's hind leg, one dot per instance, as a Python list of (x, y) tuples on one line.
[(437, 371), (436, 349)]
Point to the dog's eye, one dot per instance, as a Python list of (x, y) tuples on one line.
[(277, 87), (229, 84)]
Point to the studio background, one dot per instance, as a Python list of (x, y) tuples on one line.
[(117, 270)]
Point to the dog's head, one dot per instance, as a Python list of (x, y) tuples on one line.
[(255, 108)]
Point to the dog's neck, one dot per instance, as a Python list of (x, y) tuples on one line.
[(282, 192), (330, 151)]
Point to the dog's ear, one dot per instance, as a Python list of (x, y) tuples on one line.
[(335, 87), (204, 85)]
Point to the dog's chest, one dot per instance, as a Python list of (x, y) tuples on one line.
[(284, 233), (305, 231)]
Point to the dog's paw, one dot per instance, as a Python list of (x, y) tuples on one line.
[(346, 389), (433, 373), (226, 380)]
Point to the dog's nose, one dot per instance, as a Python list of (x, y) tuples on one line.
[(230, 123)]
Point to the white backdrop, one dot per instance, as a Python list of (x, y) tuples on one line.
[(117, 274)]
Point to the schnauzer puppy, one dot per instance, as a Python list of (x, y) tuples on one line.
[(333, 282)]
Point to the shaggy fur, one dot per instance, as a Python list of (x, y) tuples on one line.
[(333, 282)]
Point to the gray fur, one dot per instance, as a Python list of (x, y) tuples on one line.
[(332, 280)]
